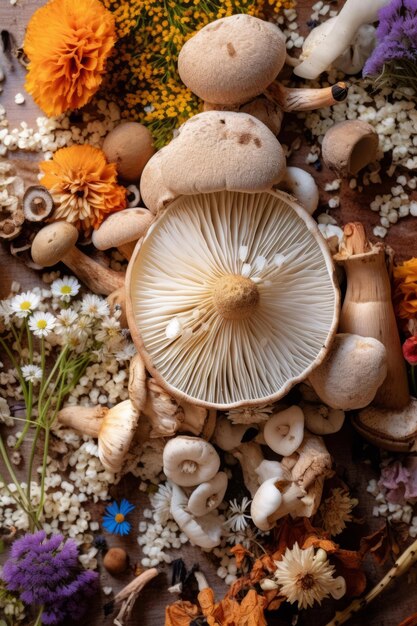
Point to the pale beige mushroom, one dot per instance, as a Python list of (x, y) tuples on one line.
[(38, 203), (350, 375), (197, 420), (321, 419), (190, 461), (265, 110), (56, 243), (162, 410), (137, 387), (222, 150), (238, 306), (130, 146), (310, 462), (300, 184), (250, 457), (208, 496), (122, 230), (114, 428), (273, 500), (228, 436), (349, 146), (117, 303), (204, 531), (284, 431), (272, 469)]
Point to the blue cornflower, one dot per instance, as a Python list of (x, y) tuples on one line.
[(114, 520)]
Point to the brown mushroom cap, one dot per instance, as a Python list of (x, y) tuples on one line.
[(130, 146), (349, 146), (53, 242), (122, 227), (232, 59)]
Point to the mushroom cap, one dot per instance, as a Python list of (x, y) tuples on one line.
[(137, 387), (122, 227), (321, 419), (205, 531), (130, 146), (190, 461), (389, 429), (265, 504), (233, 59), (302, 186), (232, 298), (207, 496), (53, 242), (266, 111), (349, 146), (351, 373), (116, 434), (284, 431)]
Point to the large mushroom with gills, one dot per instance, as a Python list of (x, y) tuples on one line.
[(232, 298)]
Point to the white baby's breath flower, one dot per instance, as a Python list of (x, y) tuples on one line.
[(6, 310), (237, 515), (161, 503), (41, 323), (248, 537), (32, 373), (25, 303), (306, 577), (65, 288), (94, 306), (126, 352), (109, 332), (250, 415)]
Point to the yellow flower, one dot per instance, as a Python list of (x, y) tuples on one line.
[(405, 291), (67, 43), (83, 186)]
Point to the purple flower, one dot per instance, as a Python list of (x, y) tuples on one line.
[(45, 571), (401, 480), (396, 36)]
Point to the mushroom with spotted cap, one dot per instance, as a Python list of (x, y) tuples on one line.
[(232, 298)]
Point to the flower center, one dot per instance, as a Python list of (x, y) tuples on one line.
[(25, 306), (235, 297), (306, 582), (66, 289), (189, 467), (119, 518), (41, 324)]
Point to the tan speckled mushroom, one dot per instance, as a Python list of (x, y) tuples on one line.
[(130, 146), (350, 375), (122, 230), (114, 428), (232, 298), (213, 151), (190, 461), (233, 59), (56, 243), (349, 146)]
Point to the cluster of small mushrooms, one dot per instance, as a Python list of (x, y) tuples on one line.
[(231, 293)]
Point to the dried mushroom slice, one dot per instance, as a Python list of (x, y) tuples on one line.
[(232, 298)]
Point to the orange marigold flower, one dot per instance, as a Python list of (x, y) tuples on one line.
[(405, 293), (83, 186), (67, 43)]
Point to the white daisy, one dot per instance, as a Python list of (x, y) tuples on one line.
[(32, 373), (161, 503), (237, 515), (25, 303), (65, 288), (306, 577), (5, 310), (94, 306), (250, 415), (66, 320), (109, 332), (41, 323)]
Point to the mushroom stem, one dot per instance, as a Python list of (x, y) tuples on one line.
[(96, 277), (87, 420), (367, 310), (127, 249), (117, 300), (128, 595), (400, 567), (235, 297), (293, 99)]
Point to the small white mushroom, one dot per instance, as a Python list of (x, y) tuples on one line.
[(302, 186), (272, 469), (273, 500), (205, 531), (321, 419), (283, 432), (207, 496), (350, 375), (190, 461), (228, 436)]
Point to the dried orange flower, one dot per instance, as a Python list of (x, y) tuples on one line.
[(405, 294), (67, 43), (83, 186)]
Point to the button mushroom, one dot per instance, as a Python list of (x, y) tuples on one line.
[(122, 230), (273, 500), (321, 419), (238, 306), (204, 531), (190, 461), (302, 186), (37, 203), (228, 436), (114, 429), (130, 146), (351, 373), (349, 146), (56, 242), (208, 496), (284, 431)]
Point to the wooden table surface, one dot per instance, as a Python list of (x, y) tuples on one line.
[(394, 605)]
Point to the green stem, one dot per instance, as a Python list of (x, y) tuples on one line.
[(16, 367), (39, 617), (31, 461), (26, 427), (24, 501)]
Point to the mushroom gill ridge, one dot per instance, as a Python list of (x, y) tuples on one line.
[(282, 275)]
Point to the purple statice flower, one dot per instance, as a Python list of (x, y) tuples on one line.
[(400, 479), (45, 571), (396, 36)]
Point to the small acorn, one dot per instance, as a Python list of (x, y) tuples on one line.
[(115, 561)]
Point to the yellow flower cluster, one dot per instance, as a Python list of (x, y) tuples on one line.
[(142, 76), (405, 292)]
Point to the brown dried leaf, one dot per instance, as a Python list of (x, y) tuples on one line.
[(180, 613), (378, 544)]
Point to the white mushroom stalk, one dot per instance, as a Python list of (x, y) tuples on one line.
[(353, 14), (232, 298), (208, 496), (204, 531)]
